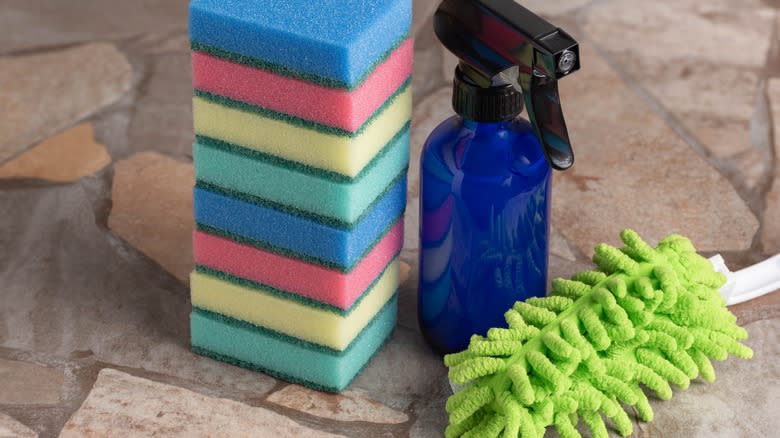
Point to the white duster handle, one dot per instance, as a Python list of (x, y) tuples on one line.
[(749, 283)]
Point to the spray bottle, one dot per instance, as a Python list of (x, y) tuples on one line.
[(486, 173)]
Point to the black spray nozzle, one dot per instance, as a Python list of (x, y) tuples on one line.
[(492, 37)]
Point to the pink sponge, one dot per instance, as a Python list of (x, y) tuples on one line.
[(339, 108), (317, 282)]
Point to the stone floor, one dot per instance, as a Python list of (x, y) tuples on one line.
[(675, 118)]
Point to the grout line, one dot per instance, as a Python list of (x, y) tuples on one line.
[(763, 110), (771, 70), (46, 49)]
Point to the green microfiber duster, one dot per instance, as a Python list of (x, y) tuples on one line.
[(646, 317)]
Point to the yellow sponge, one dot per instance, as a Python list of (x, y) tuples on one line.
[(343, 154), (293, 317)]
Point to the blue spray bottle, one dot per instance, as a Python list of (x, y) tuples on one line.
[(485, 183)]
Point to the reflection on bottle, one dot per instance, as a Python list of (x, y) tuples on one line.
[(484, 227)]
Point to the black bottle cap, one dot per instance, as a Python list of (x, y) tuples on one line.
[(488, 105)]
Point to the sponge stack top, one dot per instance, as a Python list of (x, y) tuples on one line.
[(338, 41)]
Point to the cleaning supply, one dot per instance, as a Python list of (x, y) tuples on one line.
[(286, 357), (306, 143), (308, 279), (485, 183), (646, 317), (290, 233), (344, 201), (335, 43), (295, 315), (340, 108), (748, 283), (301, 114)]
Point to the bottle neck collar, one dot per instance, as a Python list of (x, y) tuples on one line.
[(485, 104)]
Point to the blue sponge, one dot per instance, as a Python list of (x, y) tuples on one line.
[(296, 236), (341, 40)]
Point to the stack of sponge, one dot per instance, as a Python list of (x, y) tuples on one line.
[(301, 115)]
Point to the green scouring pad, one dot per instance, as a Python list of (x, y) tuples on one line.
[(646, 317)]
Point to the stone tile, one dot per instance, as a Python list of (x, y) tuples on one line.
[(407, 294), (432, 419), (152, 211), (752, 168), (405, 271), (552, 8), (112, 127), (43, 94), (448, 64), (770, 231), (161, 117), (348, 406), (406, 367), (76, 287), (700, 60), (123, 405), (412, 221), (66, 157), (764, 307), (161, 44), (423, 11), (742, 402), (684, 30), (633, 171), (559, 246), (35, 24), (427, 62), (29, 384), (10, 428)]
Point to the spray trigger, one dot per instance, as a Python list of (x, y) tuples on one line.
[(491, 37)]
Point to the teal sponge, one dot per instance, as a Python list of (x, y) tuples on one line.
[(281, 183), (289, 358)]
